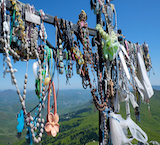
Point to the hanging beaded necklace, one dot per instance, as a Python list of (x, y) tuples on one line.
[(30, 120), (88, 55)]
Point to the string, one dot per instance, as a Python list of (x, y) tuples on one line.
[(58, 84), (55, 99), (48, 105)]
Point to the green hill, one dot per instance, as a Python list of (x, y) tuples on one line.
[(82, 125), (149, 124), (68, 100)]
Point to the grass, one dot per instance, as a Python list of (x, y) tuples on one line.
[(93, 143), (81, 126)]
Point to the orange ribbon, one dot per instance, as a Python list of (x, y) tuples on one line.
[(52, 126)]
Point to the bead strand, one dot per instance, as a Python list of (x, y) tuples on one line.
[(4, 35), (40, 121), (18, 15)]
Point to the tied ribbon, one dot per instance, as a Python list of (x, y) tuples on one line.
[(110, 44), (52, 126)]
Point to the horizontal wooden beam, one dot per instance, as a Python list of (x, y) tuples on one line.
[(47, 19), (51, 20)]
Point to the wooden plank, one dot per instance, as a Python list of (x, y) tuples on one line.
[(50, 20)]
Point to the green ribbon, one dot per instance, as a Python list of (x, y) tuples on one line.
[(48, 51), (110, 44)]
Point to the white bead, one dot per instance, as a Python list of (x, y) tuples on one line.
[(39, 120), (40, 134), (42, 125), (10, 65), (40, 115), (41, 130), (12, 71), (42, 120), (23, 104), (31, 118), (13, 76), (26, 76), (32, 130), (8, 59), (21, 99), (31, 125), (18, 91), (25, 86), (35, 128), (40, 109), (25, 81), (24, 97), (39, 139), (43, 105), (12, 51), (27, 119), (33, 135), (37, 124), (35, 140), (15, 81), (24, 91)]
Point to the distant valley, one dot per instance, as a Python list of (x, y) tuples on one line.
[(156, 87), (78, 117), (68, 100)]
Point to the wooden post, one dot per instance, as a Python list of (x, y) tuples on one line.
[(101, 69)]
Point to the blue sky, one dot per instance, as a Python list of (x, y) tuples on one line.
[(138, 19)]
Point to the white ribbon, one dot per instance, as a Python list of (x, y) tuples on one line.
[(119, 130)]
